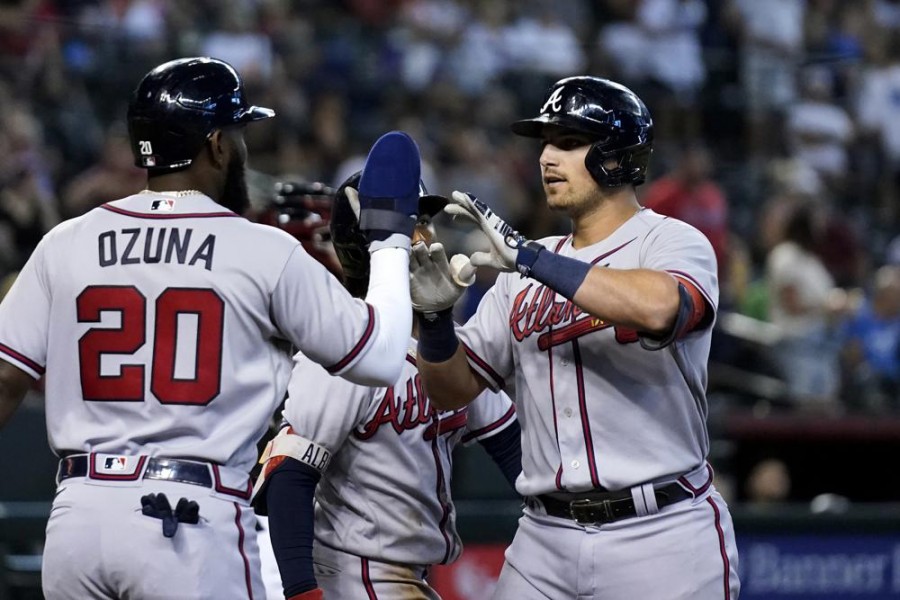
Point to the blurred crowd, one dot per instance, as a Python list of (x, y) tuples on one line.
[(777, 132)]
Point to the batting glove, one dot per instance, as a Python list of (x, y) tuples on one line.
[(510, 251), (389, 191), (435, 283)]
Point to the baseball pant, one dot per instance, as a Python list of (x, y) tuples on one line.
[(99, 545), (686, 551), (343, 575)]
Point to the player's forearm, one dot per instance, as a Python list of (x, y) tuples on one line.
[(641, 299), (449, 384), (290, 493), (389, 294), (14, 383)]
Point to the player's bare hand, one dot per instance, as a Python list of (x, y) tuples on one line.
[(504, 240), (436, 283)]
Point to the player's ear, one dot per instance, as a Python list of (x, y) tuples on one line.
[(218, 148)]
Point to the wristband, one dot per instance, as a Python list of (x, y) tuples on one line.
[(563, 274), (437, 335)]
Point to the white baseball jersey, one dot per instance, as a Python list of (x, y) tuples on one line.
[(385, 494), (596, 407), (164, 325)]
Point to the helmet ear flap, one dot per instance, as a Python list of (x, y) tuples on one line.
[(630, 164)]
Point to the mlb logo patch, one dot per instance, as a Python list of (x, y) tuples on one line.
[(114, 463), (148, 161), (164, 205)]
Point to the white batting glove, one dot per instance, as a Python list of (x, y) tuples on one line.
[(505, 241), (435, 283)]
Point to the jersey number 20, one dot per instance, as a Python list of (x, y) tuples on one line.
[(128, 385)]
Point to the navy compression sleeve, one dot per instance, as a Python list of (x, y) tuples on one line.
[(290, 492), (506, 450)]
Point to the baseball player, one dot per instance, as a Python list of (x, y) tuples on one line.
[(160, 322), (381, 457), (606, 333)]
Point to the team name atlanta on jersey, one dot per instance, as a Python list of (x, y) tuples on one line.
[(147, 245)]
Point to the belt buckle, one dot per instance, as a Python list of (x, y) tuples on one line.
[(589, 511)]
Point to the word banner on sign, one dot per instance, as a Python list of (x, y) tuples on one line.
[(819, 567)]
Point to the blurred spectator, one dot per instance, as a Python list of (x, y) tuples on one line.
[(27, 202), (770, 38), (871, 346), (113, 176), (428, 27), (768, 482), (878, 112), (622, 45), (800, 304), (818, 129), (481, 53), (544, 45), (238, 43), (689, 193), (674, 63)]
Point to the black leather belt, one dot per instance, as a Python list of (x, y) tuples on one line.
[(597, 508), (165, 469)]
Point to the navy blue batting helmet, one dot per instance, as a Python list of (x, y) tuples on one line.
[(607, 111), (178, 105)]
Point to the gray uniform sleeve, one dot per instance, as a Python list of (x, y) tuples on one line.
[(365, 343), (323, 408), (684, 252), (25, 317)]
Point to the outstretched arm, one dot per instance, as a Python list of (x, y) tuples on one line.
[(652, 302), (14, 383)]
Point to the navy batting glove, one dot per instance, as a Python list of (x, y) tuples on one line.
[(389, 191)]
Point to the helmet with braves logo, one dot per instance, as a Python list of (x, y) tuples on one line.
[(351, 246), (607, 111), (178, 105)]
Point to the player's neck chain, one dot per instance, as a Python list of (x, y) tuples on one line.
[(177, 194)]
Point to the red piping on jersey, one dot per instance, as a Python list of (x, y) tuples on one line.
[(555, 426), (585, 420), (140, 215), (22, 359), (481, 364), (493, 426), (224, 489), (367, 579), (725, 562), (247, 579), (698, 491), (370, 327), (445, 508), (691, 278), (138, 471)]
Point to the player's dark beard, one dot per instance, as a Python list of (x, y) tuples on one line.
[(235, 196)]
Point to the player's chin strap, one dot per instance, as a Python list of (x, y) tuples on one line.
[(288, 444)]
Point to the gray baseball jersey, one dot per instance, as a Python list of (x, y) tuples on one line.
[(164, 324), (596, 407), (157, 317), (385, 494)]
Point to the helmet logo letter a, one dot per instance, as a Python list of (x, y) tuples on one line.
[(554, 101)]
